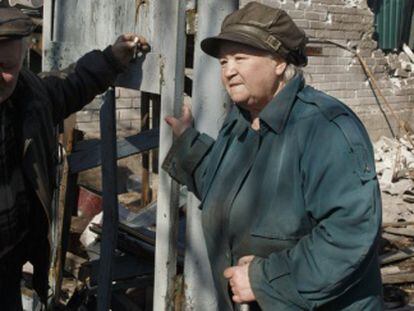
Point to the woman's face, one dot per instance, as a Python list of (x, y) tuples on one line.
[(250, 76)]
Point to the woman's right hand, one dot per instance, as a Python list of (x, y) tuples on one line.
[(179, 126)]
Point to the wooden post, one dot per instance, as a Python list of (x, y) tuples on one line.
[(209, 102), (169, 24), (155, 100), (109, 199), (146, 195)]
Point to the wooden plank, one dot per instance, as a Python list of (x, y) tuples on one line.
[(89, 155), (169, 40), (143, 74), (398, 278), (400, 231), (398, 224), (109, 199), (397, 256)]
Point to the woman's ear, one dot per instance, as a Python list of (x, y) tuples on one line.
[(280, 67)]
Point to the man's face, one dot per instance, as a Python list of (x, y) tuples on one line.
[(250, 76), (11, 60)]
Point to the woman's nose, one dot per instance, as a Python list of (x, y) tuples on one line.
[(230, 70)]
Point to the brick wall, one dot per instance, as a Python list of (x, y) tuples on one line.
[(337, 72), (128, 113)]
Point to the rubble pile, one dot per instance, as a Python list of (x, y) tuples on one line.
[(395, 168), (402, 64)]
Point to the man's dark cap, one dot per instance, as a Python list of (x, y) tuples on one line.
[(262, 27), (14, 24)]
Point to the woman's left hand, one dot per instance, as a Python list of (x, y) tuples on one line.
[(238, 277)]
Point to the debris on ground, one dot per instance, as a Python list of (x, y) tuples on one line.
[(395, 168)]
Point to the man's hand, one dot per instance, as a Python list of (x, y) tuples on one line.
[(127, 45), (238, 277), (179, 126)]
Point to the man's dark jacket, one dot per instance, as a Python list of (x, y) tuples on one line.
[(43, 103)]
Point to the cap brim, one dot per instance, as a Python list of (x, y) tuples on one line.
[(211, 45)]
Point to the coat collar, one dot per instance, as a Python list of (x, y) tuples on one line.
[(276, 113)]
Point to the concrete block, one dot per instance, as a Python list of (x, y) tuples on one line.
[(123, 102), (319, 7), (342, 94), (343, 60), (136, 103), (315, 24), (124, 125), (88, 127), (84, 116), (302, 23), (317, 78), (296, 14), (93, 105), (128, 93), (330, 69), (402, 57), (353, 35), (378, 54), (356, 85), (95, 115), (128, 114), (401, 73), (315, 16), (310, 32), (364, 93), (335, 86)]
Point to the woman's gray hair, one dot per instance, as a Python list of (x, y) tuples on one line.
[(291, 71)]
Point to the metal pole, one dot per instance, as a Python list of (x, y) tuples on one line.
[(109, 199), (209, 104), (169, 25)]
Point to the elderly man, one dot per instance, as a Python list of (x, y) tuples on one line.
[(30, 108), (291, 208)]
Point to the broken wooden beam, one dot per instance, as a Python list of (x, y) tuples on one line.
[(397, 256), (88, 155), (399, 278), (400, 231)]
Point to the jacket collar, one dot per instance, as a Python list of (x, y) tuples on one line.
[(276, 113)]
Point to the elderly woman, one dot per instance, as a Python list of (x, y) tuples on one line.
[(290, 202)]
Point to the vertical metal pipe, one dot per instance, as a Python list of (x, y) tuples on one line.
[(209, 103), (109, 199)]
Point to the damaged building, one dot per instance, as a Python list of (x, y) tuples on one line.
[(360, 51)]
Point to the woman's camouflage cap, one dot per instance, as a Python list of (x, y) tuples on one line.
[(14, 24), (262, 27)]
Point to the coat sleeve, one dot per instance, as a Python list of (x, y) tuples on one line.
[(187, 159), (71, 89), (342, 196)]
